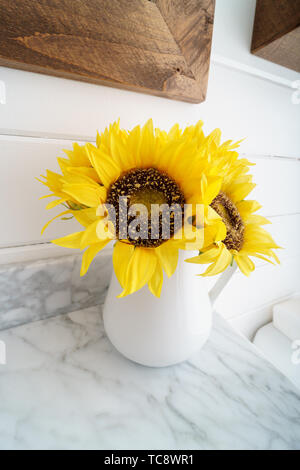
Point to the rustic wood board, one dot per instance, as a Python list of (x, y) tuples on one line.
[(276, 32), (160, 47)]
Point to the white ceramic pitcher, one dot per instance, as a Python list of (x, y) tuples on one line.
[(163, 331)]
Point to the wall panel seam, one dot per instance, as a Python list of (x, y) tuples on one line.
[(49, 138)]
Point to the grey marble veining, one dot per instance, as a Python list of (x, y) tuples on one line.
[(41, 289), (66, 387)]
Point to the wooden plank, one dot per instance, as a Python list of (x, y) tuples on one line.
[(284, 51), (233, 28), (276, 32), (191, 25), (117, 43)]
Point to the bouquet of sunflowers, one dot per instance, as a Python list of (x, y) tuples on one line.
[(154, 193)]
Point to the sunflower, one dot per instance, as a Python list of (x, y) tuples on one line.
[(245, 237), (75, 168), (144, 167)]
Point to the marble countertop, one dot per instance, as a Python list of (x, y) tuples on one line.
[(66, 387)]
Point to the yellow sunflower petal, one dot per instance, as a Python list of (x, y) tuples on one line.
[(90, 254), (264, 258), (147, 148), (273, 254), (85, 172), (134, 145), (85, 216), (90, 236), (167, 254), (215, 136), (55, 203), (221, 263), (107, 168), (121, 256), (256, 236), (174, 132), (241, 191), (246, 208), (53, 218), (70, 241), (245, 264), (212, 190), (207, 257), (64, 163), (88, 195), (98, 139), (78, 156), (156, 281), (214, 232), (53, 180), (119, 151), (46, 196), (257, 220), (140, 270)]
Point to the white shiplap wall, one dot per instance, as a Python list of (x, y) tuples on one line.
[(247, 97)]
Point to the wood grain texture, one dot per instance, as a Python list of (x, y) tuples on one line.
[(191, 24), (159, 47), (276, 32)]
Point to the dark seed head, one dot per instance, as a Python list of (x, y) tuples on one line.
[(146, 186)]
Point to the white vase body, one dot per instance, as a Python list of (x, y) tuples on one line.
[(161, 331)]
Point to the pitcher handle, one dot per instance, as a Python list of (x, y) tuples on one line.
[(222, 282)]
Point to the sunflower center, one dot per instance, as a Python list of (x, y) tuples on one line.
[(149, 193), (232, 219)]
